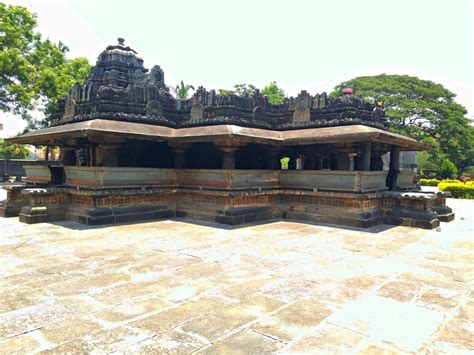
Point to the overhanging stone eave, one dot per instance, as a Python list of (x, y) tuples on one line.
[(350, 134), (405, 143), (321, 135)]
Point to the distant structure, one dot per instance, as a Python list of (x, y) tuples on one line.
[(131, 151)]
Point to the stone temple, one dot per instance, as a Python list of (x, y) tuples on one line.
[(131, 151)]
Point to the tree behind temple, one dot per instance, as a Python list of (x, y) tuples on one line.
[(275, 94), (423, 110)]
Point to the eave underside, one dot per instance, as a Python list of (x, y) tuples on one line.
[(95, 129)]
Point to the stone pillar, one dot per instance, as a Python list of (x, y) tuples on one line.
[(366, 153), (343, 161), (351, 161), (376, 164), (179, 150), (228, 158), (273, 158), (300, 162), (68, 156), (394, 169), (318, 162), (106, 155), (92, 154), (395, 158), (292, 162), (310, 161)]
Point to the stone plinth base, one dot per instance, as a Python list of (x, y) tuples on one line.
[(109, 206), (445, 213), (11, 206), (112, 215), (39, 214)]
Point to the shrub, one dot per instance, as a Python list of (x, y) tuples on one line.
[(451, 181), (447, 169), (457, 188), (469, 171), (429, 182)]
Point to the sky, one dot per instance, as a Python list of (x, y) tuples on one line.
[(302, 45)]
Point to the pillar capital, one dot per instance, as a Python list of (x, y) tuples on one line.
[(108, 146), (179, 145), (228, 147)]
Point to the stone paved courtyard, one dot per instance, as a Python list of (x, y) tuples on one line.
[(178, 287)]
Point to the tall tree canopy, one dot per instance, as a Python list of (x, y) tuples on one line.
[(34, 72), (275, 94), (423, 110), (244, 89)]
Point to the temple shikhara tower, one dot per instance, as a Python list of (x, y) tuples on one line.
[(131, 151)]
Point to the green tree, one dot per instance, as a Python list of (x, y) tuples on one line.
[(244, 89), (12, 151), (275, 94), (34, 72), (225, 92), (182, 91), (423, 110)]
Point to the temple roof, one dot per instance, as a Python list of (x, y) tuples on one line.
[(58, 135), (121, 97), (120, 88)]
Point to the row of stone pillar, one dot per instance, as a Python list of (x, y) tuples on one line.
[(107, 155)]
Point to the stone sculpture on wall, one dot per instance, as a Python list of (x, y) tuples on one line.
[(197, 112), (302, 105)]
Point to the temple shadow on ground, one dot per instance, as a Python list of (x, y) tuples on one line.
[(79, 226)]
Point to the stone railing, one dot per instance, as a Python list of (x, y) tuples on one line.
[(228, 179), (405, 180), (334, 180), (191, 178), (218, 179), (118, 176), (37, 174)]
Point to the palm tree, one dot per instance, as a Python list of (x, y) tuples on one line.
[(182, 90)]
